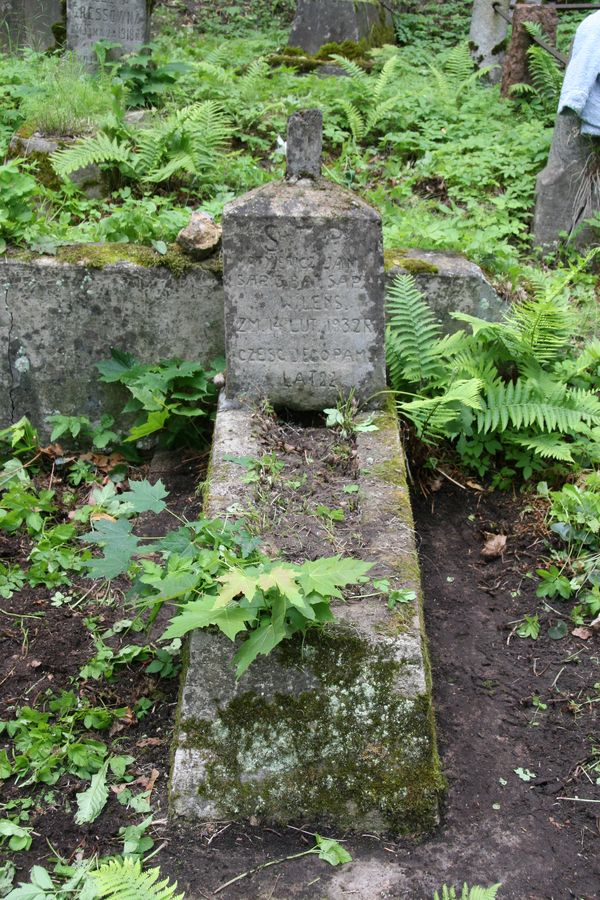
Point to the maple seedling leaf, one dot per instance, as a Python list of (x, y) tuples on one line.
[(145, 497), (201, 613), (325, 576), (284, 579), (119, 546), (236, 582), (263, 639)]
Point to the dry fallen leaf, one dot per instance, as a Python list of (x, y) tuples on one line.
[(95, 517), (495, 545), (149, 742), (584, 633), (475, 486)]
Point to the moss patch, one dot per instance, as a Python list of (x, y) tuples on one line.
[(398, 258), (97, 256), (349, 750)]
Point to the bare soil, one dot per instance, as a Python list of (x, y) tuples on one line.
[(495, 827)]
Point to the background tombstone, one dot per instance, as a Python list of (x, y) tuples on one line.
[(32, 23), (304, 286), (568, 189), (319, 22), (487, 36), (124, 22)]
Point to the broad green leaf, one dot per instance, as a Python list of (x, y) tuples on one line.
[(331, 851), (90, 803), (325, 576), (146, 497), (175, 585), (263, 639), (113, 369), (236, 582), (154, 422), (119, 547), (200, 614)]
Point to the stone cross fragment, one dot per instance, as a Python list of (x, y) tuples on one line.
[(123, 22), (304, 144), (304, 286)]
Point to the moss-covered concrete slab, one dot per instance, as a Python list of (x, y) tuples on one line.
[(338, 728), (59, 315)]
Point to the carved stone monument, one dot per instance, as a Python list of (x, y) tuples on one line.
[(319, 22), (304, 284), (488, 33), (31, 23), (123, 22)]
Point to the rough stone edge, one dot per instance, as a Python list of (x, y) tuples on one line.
[(382, 466)]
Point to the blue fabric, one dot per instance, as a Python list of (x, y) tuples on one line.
[(581, 87)]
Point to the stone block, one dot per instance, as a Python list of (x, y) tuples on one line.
[(123, 22), (201, 238), (58, 318), (567, 190), (303, 275), (338, 728), (30, 23), (319, 22), (450, 283)]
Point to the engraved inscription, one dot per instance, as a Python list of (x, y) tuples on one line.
[(121, 21)]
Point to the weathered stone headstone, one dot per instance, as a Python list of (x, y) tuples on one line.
[(568, 189), (304, 285), (488, 33), (319, 22), (32, 23), (123, 22)]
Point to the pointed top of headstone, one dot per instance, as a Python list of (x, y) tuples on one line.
[(304, 144)]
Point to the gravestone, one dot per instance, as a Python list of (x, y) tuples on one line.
[(304, 286), (488, 34), (123, 22), (568, 189), (319, 22), (30, 23)]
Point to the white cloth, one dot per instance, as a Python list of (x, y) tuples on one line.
[(581, 87)]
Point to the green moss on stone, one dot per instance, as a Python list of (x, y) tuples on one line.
[(97, 256), (350, 748), (398, 258)]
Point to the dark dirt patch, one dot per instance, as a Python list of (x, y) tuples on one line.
[(520, 833)]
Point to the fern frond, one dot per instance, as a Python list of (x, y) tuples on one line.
[(458, 65), (124, 880), (95, 150), (352, 69), (474, 893), (379, 112), (254, 74), (435, 417), (384, 78), (546, 446), (355, 120), (519, 404), (413, 334)]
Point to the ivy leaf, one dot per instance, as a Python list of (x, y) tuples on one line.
[(90, 803), (263, 639), (119, 546), (145, 497), (331, 851), (325, 576)]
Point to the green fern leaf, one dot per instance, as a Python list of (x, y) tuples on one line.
[(124, 880), (546, 446), (355, 120), (412, 334), (352, 69), (96, 150)]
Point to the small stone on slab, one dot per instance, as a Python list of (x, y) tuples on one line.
[(201, 238)]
